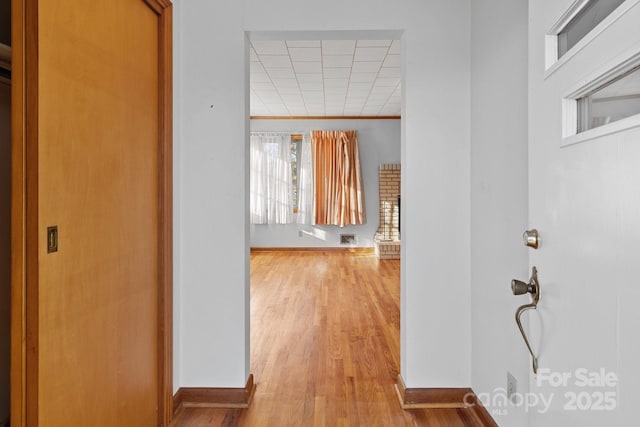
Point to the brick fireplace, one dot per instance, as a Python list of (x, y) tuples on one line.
[(387, 239)]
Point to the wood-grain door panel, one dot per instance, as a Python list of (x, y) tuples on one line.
[(95, 305)]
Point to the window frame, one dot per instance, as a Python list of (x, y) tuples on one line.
[(552, 61), (613, 70)]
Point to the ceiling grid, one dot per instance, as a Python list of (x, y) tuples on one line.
[(325, 78)]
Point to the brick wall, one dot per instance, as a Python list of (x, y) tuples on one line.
[(387, 241), (389, 191)]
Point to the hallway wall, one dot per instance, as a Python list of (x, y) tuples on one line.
[(498, 199), (212, 54)]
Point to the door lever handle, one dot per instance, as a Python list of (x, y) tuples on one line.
[(519, 287)]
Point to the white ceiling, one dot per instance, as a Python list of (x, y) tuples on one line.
[(325, 78)]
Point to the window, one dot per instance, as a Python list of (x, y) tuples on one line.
[(586, 19), (295, 159), (281, 186), (608, 103), (578, 26), (613, 101), (270, 178)]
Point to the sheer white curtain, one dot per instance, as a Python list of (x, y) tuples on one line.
[(305, 182), (271, 183)]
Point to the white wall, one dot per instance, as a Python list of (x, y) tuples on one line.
[(379, 142), (213, 305), (5, 246), (498, 198), (584, 200)]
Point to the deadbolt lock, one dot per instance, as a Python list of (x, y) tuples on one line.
[(531, 238)]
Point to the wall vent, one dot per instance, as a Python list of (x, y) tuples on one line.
[(347, 239)]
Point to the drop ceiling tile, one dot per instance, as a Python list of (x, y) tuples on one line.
[(360, 99), (288, 90), (338, 47), (392, 61), (259, 86), (336, 73), (269, 47), (379, 95), (312, 87), (374, 103), (360, 86), (395, 47), (310, 78), (366, 67), (363, 77), (272, 105), (332, 98), (313, 97), (348, 106), (338, 83), (307, 67), (333, 61), (374, 43), (370, 53), (335, 92), (303, 43), (264, 92), (393, 82), (282, 73), (323, 81), (294, 98), (316, 111), (389, 72), (276, 61), (377, 99), (271, 99), (278, 111), (256, 67), (304, 54), (285, 82), (259, 78)]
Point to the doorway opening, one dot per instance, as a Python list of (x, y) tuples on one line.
[(302, 278)]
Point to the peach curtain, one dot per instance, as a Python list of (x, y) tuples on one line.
[(339, 194)]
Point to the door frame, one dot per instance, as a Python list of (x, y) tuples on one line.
[(24, 212)]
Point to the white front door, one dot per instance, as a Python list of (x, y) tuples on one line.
[(585, 201)]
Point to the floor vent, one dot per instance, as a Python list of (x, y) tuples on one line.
[(347, 239)]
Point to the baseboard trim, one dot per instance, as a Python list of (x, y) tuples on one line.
[(433, 398), (359, 250), (479, 411), (214, 397), (428, 398)]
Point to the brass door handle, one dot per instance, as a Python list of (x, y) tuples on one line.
[(519, 288)]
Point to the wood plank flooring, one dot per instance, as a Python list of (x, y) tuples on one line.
[(324, 346)]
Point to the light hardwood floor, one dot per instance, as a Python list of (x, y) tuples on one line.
[(324, 346)]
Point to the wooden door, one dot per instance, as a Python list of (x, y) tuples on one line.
[(96, 150)]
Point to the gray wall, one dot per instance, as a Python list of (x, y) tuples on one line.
[(5, 245), (379, 142), (498, 198)]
